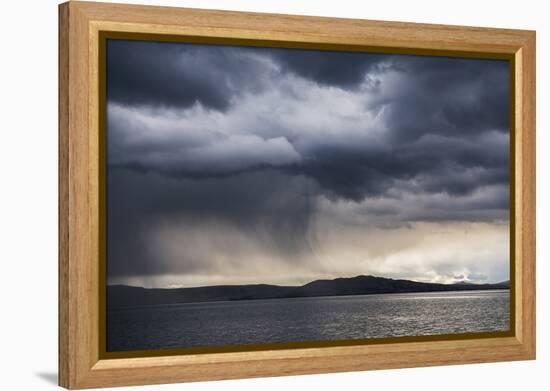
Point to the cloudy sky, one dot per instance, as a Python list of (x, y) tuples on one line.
[(231, 165)]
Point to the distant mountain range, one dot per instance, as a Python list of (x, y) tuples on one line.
[(127, 296)]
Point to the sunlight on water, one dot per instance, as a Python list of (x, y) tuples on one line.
[(306, 319)]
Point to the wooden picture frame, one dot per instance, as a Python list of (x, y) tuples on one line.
[(81, 163)]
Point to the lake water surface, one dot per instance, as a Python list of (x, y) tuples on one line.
[(306, 319)]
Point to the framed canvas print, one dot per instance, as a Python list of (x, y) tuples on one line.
[(248, 195)]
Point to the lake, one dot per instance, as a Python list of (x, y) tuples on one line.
[(306, 319)]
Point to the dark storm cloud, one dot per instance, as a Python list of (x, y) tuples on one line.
[(449, 96), (440, 121), (181, 75), (252, 141), (177, 75), (270, 207), (434, 164), (436, 115), (338, 69)]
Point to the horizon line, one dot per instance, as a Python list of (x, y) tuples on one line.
[(320, 279)]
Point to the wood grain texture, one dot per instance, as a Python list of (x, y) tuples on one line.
[(527, 285), (80, 365), (76, 292), (63, 200)]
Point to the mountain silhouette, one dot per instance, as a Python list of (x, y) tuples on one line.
[(128, 296)]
